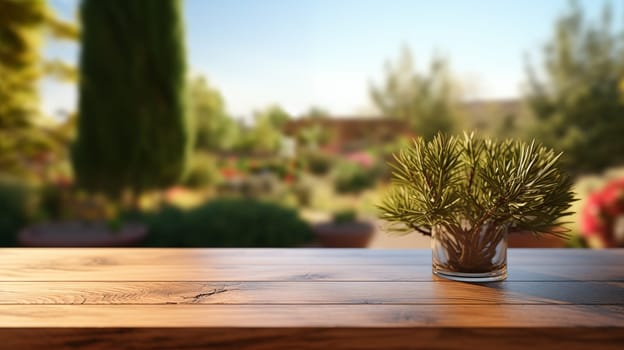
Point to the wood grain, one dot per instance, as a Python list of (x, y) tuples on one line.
[(126, 264), (75, 257), (303, 273), (237, 293), (313, 338), (133, 298), (303, 315)]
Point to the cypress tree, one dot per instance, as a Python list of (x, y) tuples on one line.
[(133, 132)]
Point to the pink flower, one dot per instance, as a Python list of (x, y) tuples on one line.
[(362, 158)]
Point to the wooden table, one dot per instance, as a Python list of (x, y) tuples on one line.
[(303, 299)]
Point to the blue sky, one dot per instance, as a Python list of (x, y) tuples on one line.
[(302, 53)]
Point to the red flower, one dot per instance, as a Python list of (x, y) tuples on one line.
[(64, 181), (590, 215), (289, 178), (602, 210), (229, 173)]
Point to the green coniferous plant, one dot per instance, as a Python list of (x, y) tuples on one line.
[(461, 185), (133, 131)]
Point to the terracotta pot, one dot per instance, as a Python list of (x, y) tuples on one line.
[(81, 234), (344, 235)]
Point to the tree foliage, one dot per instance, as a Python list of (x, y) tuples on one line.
[(316, 113), (266, 134), (578, 96), (469, 182), (315, 134), (133, 131), (20, 41), (22, 28), (214, 129), (426, 100), (275, 115)]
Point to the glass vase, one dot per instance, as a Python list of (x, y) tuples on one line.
[(470, 254)]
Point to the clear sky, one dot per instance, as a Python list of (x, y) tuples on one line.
[(302, 53)]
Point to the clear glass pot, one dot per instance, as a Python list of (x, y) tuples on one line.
[(470, 255)]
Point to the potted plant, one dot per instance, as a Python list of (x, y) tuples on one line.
[(344, 231), (468, 193), (73, 219)]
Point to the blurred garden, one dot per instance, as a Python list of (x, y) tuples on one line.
[(151, 156)]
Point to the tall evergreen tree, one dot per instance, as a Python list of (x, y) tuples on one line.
[(578, 96), (133, 132)]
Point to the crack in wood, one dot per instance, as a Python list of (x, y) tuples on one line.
[(198, 297)]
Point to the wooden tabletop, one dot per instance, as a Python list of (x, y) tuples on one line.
[(304, 299)]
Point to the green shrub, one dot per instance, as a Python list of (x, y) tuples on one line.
[(277, 166), (50, 203), (14, 199), (260, 185), (234, 222), (318, 163), (344, 216), (350, 177), (166, 227), (203, 172)]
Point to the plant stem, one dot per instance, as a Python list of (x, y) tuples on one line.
[(469, 253)]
